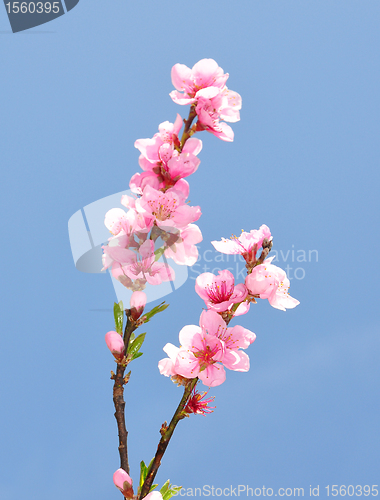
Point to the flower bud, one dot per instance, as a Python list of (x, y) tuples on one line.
[(123, 482), (115, 344), (138, 302), (153, 495)]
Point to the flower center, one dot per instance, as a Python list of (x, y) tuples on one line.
[(162, 208), (219, 293), (142, 265), (283, 289), (206, 356)]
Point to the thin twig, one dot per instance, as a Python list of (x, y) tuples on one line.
[(187, 132), (118, 400), (164, 441)]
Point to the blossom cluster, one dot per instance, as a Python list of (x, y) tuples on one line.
[(212, 346), (158, 219), (264, 280), (204, 87)]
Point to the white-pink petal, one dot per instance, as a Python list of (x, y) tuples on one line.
[(237, 361), (153, 495), (213, 375), (187, 333), (193, 146), (181, 76)]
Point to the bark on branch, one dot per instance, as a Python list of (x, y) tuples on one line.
[(165, 439), (118, 399)]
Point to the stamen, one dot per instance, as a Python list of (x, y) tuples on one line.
[(219, 293)]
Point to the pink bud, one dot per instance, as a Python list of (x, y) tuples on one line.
[(123, 482), (138, 302), (115, 343), (153, 495)]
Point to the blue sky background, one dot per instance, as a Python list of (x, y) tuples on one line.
[(76, 94)]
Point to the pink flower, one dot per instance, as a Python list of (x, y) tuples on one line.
[(208, 119), (182, 189), (204, 87), (205, 349), (212, 106), (128, 201), (166, 209), (168, 132), (138, 302), (199, 356), (160, 156), (139, 182), (233, 339), (115, 344), (270, 282), (115, 250), (220, 292), (141, 266), (117, 221), (175, 165), (184, 250), (205, 73), (246, 244), (123, 482)]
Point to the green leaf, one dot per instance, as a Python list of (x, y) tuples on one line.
[(134, 347), (118, 313), (137, 355), (167, 490), (153, 487), (161, 307), (165, 487), (143, 473), (158, 253), (170, 493)]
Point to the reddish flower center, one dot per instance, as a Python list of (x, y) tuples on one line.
[(219, 293), (196, 405), (206, 356)]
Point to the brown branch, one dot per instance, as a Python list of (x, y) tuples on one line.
[(118, 398), (167, 432), (187, 132), (166, 436), (267, 247), (118, 401)]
